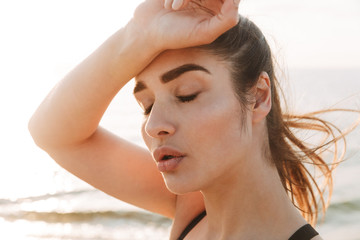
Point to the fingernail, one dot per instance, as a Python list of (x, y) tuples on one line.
[(177, 4), (237, 2)]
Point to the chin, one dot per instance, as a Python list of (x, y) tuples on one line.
[(179, 185)]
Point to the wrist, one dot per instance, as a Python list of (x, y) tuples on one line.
[(142, 38), (133, 49)]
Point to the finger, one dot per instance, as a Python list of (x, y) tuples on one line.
[(228, 15), (177, 4), (236, 2), (168, 4), (224, 20)]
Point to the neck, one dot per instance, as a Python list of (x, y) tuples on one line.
[(250, 205)]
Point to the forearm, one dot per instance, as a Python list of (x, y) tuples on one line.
[(73, 109)]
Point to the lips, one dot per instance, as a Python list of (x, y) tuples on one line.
[(166, 153), (167, 158)]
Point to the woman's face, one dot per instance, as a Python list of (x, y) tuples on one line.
[(192, 123)]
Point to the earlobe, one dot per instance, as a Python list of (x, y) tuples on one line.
[(262, 105)]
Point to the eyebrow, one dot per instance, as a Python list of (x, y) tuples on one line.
[(172, 75)]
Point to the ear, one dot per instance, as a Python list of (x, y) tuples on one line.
[(262, 105)]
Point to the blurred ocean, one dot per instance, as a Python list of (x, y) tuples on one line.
[(42, 40)]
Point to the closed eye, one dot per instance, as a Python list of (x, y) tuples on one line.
[(187, 98), (182, 99), (148, 110)]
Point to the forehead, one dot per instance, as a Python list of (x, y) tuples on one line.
[(172, 59)]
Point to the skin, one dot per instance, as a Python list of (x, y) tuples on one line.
[(173, 123), (224, 168), (66, 126)]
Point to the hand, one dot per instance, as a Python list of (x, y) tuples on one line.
[(170, 25), (178, 4)]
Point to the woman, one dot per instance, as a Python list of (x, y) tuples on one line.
[(225, 158)]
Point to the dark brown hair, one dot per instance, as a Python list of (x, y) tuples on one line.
[(246, 50)]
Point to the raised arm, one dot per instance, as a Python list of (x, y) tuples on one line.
[(66, 123)]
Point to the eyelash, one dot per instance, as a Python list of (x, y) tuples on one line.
[(182, 99), (187, 98), (148, 110)]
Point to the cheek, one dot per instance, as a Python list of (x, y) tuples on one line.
[(217, 128), (221, 144)]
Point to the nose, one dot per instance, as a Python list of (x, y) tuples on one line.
[(159, 123)]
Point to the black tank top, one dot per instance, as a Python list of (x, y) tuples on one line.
[(306, 232)]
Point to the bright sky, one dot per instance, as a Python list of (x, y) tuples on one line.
[(41, 40)]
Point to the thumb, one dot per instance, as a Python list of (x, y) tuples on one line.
[(237, 2), (176, 4), (227, 18)]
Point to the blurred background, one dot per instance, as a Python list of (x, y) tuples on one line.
[(316, 44)]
